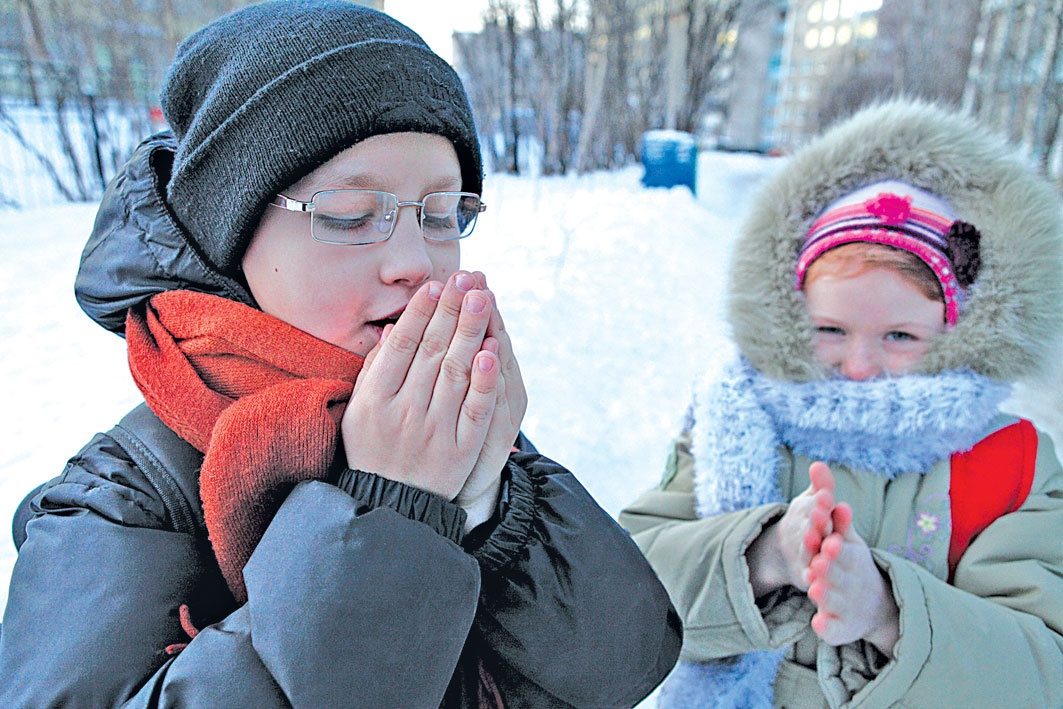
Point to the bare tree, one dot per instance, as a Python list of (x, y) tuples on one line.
[(712, 26), (923, 47), (1016, 78), (88, 65)]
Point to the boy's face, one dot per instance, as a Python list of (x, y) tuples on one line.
[(338, 293), (871, 324)]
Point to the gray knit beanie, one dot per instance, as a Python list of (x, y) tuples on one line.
[(263, 96)]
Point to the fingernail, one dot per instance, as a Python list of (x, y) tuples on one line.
[(475, 303), (486, 364), (465, 282), (384, 333), (434, 290)]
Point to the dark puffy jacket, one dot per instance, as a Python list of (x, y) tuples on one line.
[(362, 592)]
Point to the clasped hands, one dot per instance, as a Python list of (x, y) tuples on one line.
[(814, 548), (440, 399)]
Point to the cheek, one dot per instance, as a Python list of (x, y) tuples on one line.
[(446, 259), (903, 360), (826, 351)]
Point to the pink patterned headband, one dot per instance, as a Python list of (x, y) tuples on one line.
[(897, 214)]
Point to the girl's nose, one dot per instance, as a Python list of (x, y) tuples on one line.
[(861, 361), (406, 259)]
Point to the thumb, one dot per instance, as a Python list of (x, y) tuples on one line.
[(371, 355)]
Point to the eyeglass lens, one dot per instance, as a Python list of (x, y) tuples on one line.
[(368, 216)]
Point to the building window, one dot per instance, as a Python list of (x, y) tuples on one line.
[(867, 29), (811, 38), (830, 10), (826, 36), (845, 33), (815, 12)]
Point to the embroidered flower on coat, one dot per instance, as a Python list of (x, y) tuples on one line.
[(890, 208), (928, 523)]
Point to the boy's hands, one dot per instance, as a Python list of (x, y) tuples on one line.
[(782, 552), (422, 406), (440, 399), (480, 493), (853, 598)]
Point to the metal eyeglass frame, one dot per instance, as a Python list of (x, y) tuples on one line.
[(294, 205)]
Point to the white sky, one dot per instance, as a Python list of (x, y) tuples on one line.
[(437, 20)]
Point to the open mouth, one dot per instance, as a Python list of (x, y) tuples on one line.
[(387, 320)]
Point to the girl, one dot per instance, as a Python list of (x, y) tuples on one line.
[(848, 519), (321, 503)]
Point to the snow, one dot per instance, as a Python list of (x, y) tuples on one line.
[(611, 292)]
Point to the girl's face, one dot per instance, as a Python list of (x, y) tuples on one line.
[(345, 294), (871, 324)]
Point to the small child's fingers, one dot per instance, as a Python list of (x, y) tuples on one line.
[(832, 546), (820, 516), (812, 541), (820, 623), (817, 590), (842, 518), (819, 567), (821, 476)]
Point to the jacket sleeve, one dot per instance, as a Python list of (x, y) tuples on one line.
[(343, 600), (570, 612), (702, 564), (994, 637)]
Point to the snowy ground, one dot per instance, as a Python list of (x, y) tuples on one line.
[(609, 290)]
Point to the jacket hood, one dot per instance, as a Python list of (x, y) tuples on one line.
[(1013, 316), (138, 248)]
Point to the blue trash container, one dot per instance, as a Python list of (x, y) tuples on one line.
[(669, 158)]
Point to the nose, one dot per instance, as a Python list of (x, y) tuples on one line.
[(406, 260), (861, 361)]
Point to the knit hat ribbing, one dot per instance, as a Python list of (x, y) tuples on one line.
[(261, 97)]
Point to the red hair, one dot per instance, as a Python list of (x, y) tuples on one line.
[(857, 257)]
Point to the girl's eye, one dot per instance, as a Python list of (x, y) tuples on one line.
[(829, 330), (900, 336)]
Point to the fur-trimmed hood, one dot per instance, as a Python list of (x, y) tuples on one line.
[(1015, 313)]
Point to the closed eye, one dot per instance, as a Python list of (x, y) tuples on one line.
[(829, 330), (900, 336)]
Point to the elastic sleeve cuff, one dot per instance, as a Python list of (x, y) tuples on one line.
[(777, 619), (371, 491), (844, 672), (519, 509)]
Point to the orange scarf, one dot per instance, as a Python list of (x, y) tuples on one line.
[(260, 398)]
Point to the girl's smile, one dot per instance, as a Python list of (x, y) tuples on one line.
[(871, 324)]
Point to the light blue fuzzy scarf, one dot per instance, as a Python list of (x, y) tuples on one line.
[(740, 418)]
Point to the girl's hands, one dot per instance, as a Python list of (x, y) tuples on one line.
[(425, 401), (853, 598), (782, 552), (815, 548)]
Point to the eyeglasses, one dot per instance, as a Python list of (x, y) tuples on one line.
[(357, 217)]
